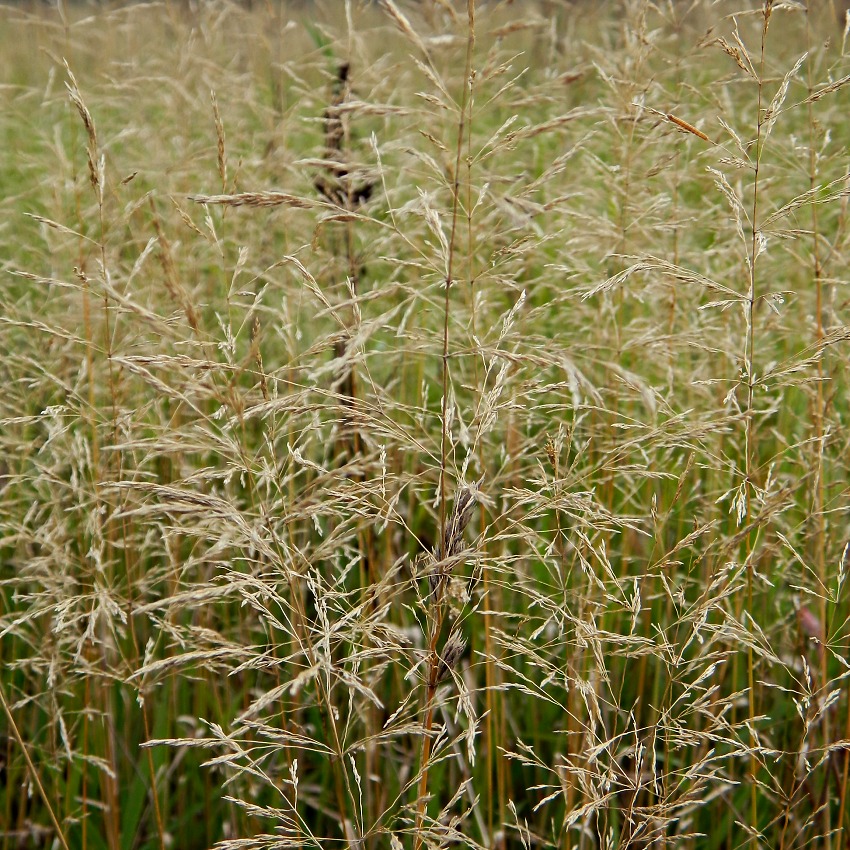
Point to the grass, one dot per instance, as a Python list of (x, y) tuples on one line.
[(424, 425)]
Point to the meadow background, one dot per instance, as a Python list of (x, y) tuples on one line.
[(424, 425)]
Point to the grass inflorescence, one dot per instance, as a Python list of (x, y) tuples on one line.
[(423, 425)]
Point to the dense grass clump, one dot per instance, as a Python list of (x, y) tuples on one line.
[(424, 424)]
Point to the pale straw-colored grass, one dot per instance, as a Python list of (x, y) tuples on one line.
[(423, 425)]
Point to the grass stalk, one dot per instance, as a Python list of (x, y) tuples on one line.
[(437, 619), (819, 414), (60, 835), (749, 433)]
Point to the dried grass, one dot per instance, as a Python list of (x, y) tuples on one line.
[(424, 426)]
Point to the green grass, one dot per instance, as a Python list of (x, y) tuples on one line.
[(224, 431)]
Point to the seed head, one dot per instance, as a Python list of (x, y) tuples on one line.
[(452, 652)]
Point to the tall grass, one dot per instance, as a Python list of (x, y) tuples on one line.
[(424, 425)]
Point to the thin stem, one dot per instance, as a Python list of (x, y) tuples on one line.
[(818, 507), (31, 767), (434, 659), (461, 133), (749, 434)]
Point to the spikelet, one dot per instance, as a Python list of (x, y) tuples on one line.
[(447, 551), (452, 652)]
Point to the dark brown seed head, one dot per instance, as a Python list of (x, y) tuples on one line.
[(452, 652), (459, 520)]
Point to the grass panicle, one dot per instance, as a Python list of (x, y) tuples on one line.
[(424, 425)]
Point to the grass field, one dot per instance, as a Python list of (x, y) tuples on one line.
[(424, 425)]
